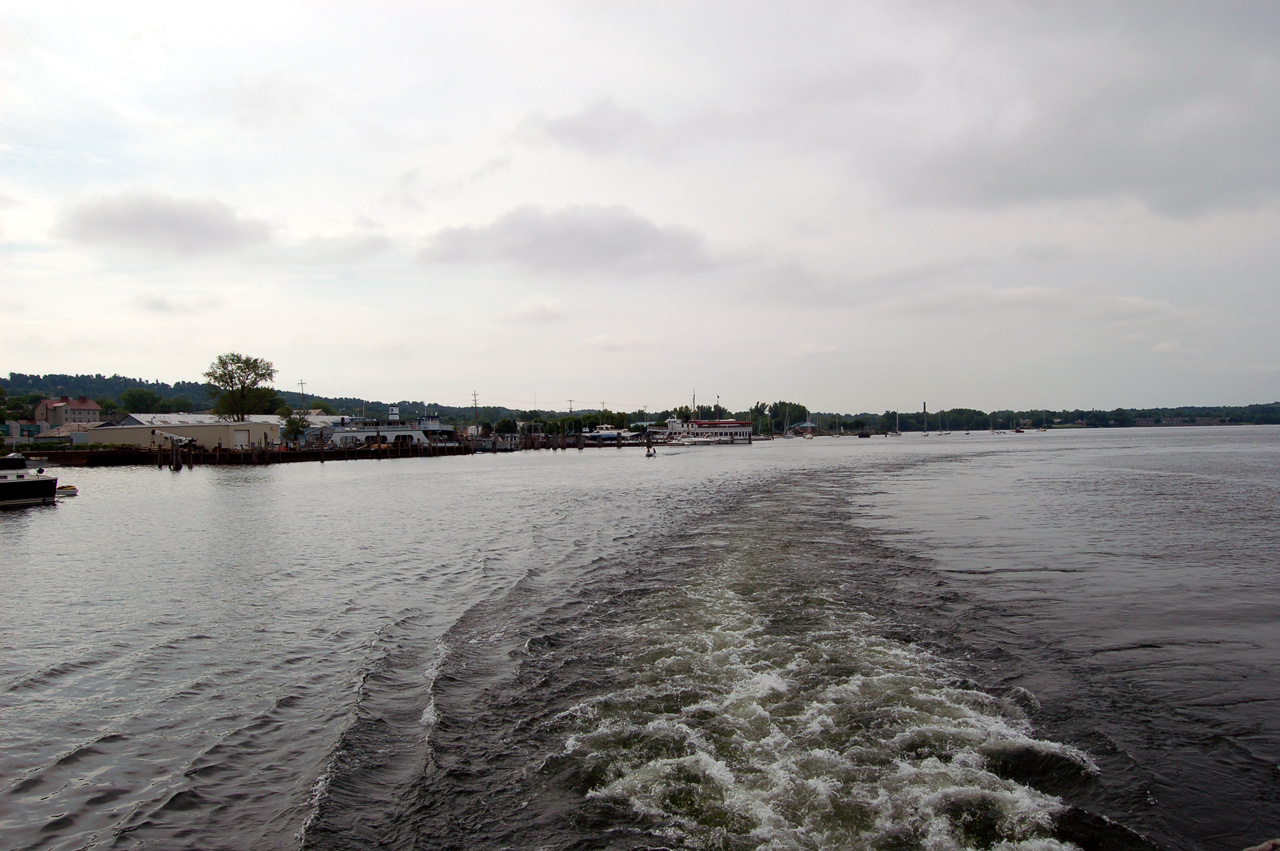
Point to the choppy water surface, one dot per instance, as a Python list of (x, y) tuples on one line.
[(1036, 641)]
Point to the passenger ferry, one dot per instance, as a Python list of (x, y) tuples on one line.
[(704, 432), (354, 432)]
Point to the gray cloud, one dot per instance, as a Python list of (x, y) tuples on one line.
[(1170, 104), (414, 186), (1130, 309), (574, 240), (539, 309), (602, 128), (1118, 311), (148, 221), (265, 101), (154, 302), (782, 282), (613, 343), (343, 249)]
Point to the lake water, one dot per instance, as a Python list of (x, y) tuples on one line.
[(1039, 641)]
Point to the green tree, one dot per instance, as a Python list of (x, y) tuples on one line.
[(506, 425), (24, 407), (139, 400), (323, 407), (783, 415), (107, 405), (238, 380), (263, 400), (293, 425)]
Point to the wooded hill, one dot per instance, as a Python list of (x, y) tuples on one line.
[(23, 391)]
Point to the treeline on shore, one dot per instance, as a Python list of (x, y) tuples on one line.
[(968, 419), (116, 394)]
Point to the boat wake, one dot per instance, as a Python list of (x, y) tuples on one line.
[(729, 687)]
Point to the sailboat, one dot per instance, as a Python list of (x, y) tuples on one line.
[(926, 420), (897, 431)]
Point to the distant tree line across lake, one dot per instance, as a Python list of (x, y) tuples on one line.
[(116, 395)]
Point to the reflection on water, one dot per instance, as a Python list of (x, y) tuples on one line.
[(829, 643)]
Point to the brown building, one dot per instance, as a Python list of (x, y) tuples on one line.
[(60, 412)]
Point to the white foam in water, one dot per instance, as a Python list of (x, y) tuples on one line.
[(319, 789), (429, 715), (776, 748)]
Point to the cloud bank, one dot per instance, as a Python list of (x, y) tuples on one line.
[(601, 129), (1174, 109), (148, 221), (575, 241)]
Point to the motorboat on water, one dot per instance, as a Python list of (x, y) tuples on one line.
[(19, 485)]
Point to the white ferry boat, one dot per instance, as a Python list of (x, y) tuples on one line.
[(353, 432), (704, 432)]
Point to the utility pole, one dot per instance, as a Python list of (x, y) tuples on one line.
[(302, 386), (475, 404)]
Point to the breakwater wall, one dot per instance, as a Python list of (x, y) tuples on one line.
[(167, 457)]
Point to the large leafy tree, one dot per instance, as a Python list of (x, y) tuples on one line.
[(293, 423), (138, 400), (783, 415), (238, 381)]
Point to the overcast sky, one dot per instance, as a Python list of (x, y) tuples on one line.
[(855, 206)]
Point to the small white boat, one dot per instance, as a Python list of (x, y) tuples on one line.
[(67, 490)]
